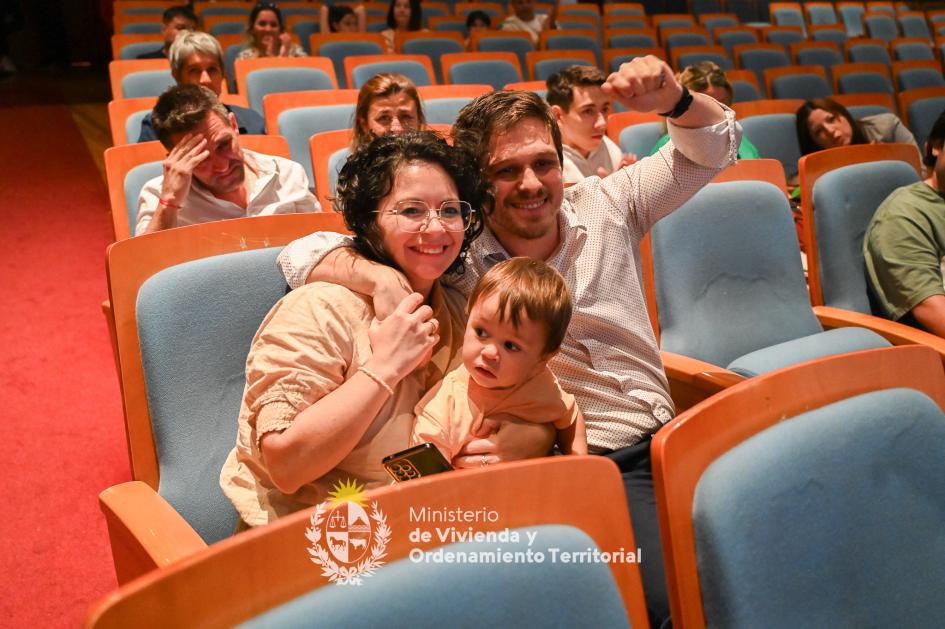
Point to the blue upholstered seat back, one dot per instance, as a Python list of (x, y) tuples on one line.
[(142, 28), (234, 27), (299, 124), (413, 70), (852, 16), (914, 26), (134, 181), (445, 110), (922, 115), (640, 138), (276, 80), (831, 518), (146, 83), (632, 40), (131, 51), (744, 91), (806, 86), (836, 35), (195, 323), (869, 53), (518, 45), (913, 51), (775, 137), (494, 72), (433, 48), (547, 67), (785, 37), (409, 595), (916, 78), (882, 27), (845, 200), (133, 125), (728, 273), (864, 83), (821, 14), (862, 111), (575, 42), (338, 50), (760, 59), (823, 57)]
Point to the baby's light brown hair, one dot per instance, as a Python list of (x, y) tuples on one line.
[(530, 286)]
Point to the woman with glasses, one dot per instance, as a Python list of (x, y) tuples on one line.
[(387, 103), (266, 35), (330, 390), (708, 78)]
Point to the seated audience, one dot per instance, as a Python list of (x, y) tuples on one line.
[(708, 78), (197, 59), (591, 234), (207, 176), (266, 35), (174, 21), (524, 18), (581, 108), (403, 16), (518, 315), (340, 18), (904, 246), (823, 123), (387, 103), (330, 391)]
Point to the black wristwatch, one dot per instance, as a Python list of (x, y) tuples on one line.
[(682, 106)]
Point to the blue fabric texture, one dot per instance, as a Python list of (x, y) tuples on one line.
[(760, 59), (845, 200), (433, 48), (869, 53), (299, 124), (412, 595), (547, 67), (923, 114), (492, 72), (832, 518), (916, 78), (445, 110), (146, 83), (639, 139), (728, 275), (829, 343), (518, 45), (882, 27), (863, 83), (806, 86), (274, 80), (413, 70), (337, 51), (195, 324), (775, 136), (134, 181), (139, 50)]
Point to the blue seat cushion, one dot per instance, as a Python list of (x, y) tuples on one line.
[(831, 518), (412, 594), (829, 343)]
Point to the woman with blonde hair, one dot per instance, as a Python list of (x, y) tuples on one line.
[(708, 78), (388, 103)]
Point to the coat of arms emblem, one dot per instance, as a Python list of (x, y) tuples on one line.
[(348, 541)]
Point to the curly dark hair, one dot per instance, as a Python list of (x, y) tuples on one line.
[(368, 176)]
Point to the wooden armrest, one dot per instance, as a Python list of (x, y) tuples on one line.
[(895, 333), (692, 380), (145, 531)]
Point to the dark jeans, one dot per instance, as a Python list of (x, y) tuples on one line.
[(634, 464)]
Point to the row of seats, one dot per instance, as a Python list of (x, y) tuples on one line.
[(750, 217), (733, 482)]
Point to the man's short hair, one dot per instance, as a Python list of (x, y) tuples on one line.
[(529, 286), (496, 112), (183, 11), (181, 109), (561, 84), (192, 42), (936, 138)]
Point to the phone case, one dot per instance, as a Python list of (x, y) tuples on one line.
[(422, 460)]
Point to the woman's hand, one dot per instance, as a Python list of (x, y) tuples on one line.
[(401, 342), (285, 41), (505, 438)]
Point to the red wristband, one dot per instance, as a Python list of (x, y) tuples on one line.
[(168, 204)]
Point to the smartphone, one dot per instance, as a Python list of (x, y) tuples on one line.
[(422, 460)]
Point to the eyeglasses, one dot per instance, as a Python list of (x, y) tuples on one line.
[(414, 216)]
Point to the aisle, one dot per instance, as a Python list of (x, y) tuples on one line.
[(61, 422)]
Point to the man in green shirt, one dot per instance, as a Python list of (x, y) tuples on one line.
[(905, 244)]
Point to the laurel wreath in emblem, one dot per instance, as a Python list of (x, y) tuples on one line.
[(348, 575)]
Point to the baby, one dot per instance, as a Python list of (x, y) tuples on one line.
[(518, 315)]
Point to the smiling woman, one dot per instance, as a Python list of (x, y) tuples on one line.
[(266, 35), (329, 390)]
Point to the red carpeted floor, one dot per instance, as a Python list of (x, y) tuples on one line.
[(61, 428)]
